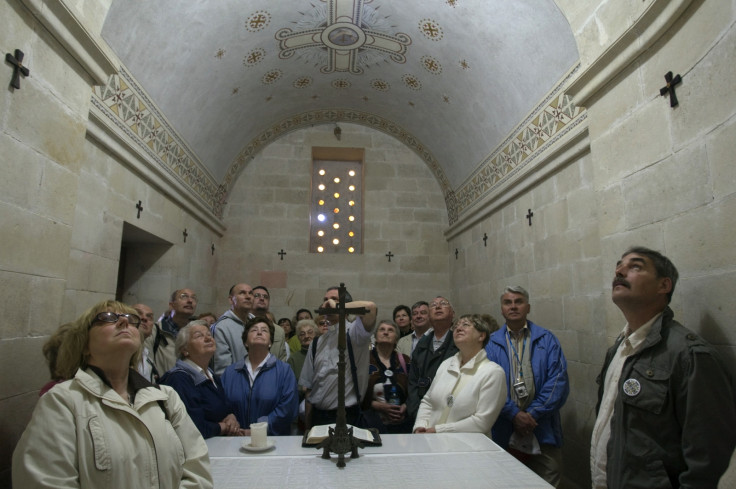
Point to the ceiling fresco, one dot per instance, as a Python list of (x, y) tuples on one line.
[(223, 78)]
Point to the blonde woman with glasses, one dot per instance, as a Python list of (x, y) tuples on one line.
[(108, 426)]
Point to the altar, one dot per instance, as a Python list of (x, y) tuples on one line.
[(421, 461)]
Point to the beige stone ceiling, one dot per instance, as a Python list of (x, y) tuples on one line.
[(454, 76)]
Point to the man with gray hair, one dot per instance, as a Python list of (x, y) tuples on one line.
[(529, 425)]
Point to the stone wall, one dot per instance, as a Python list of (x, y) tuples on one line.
[(657, 176), (64, 198), (268, 210)]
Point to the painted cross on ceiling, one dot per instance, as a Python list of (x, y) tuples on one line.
[(349, 36)]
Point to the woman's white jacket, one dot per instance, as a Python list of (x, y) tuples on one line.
[(83, 434), (473, 409)]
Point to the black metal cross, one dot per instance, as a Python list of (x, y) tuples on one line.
[(19, 69), (670, 88), (185, 234), (341, 440), (139, 206), (456, 252), (389, 255), (213, 249), (282, 253), (485, 239), (529, 216)]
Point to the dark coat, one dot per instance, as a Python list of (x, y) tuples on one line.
[(678, 429)]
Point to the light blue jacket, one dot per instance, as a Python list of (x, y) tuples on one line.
[(550, 384)]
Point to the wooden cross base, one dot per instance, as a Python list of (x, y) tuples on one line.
[(340, 441)]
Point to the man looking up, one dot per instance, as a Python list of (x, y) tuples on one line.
[(529, 425), (420, 325), (146, 367), (319, 373), (666, 409), (182, 305), (228, 330), (431, 350), (261, 305)]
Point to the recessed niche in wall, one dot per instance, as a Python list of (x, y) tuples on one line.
[(139, 252), (336, 211)]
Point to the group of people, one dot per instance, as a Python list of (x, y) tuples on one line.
[(135, 397)]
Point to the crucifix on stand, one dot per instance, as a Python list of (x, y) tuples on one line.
[(341, 439)]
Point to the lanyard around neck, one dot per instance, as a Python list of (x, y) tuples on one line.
[(516, 355)]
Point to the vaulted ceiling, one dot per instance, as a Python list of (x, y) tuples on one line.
[(454, 76)]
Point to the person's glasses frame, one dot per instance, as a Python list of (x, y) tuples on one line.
[(113, 317)]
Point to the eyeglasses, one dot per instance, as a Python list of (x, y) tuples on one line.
[(439, 304), (261, 296), (112, 317), (324, 323), (464, 325), (306, 334), (186, 297)]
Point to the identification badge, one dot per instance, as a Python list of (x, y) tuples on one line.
[(632, 387), (520, 389), (388, 373)]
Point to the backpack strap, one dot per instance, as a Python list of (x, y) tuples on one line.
[(353, 368), (313, 347)]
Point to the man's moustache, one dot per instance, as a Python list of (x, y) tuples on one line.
[(620, 281)]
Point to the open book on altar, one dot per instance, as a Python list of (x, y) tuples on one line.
[(320, 432)]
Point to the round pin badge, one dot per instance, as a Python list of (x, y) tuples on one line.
[(389, 373), (632, 387), (450, 400)]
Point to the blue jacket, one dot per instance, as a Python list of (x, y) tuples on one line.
[(272, 398), (206, 405), (550, 384)]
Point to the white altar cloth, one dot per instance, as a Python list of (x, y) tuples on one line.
[(417, 461)]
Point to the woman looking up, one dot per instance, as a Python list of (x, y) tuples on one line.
[(469, 390), (197, 385), (261, 387), (108, 426), (384, 402)]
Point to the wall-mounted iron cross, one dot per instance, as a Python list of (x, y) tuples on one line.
[(485, 239), (185, 234), (281, 254), (139, 206), (213, 249), (529, 216), (18, 68), (670, 88), (389, 255)]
